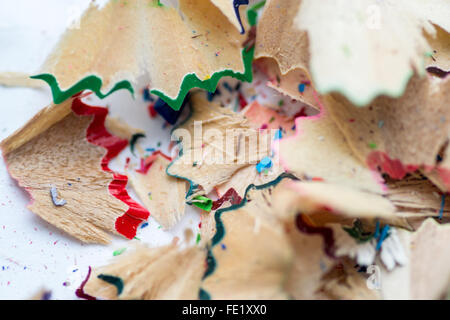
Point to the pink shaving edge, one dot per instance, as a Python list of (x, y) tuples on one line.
[(398, 170), (298, 132)]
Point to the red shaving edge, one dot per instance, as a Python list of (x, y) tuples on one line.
[(378, 160), (326, 233), (394, 168), (242, 102), (80, 291), (147, 162), (151, 110), (97, 134), (231, 195)]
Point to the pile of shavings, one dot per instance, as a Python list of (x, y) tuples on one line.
[(333, 186)]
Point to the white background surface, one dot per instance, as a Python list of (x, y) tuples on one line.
[(33, 254)]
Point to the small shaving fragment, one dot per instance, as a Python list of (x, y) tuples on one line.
[(54, 194), (203, 203)]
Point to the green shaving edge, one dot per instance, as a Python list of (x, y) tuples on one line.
[(115, 281), (190, 81), (92, 83), (252, 15), (220, 228)]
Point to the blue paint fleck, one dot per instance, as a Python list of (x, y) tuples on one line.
[(145, 224), (383, 236), (278, 135), (441, 210), (146, 95), (265, 163), (301, 87)]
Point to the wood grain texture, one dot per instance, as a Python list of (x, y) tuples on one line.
[(52, 151)]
